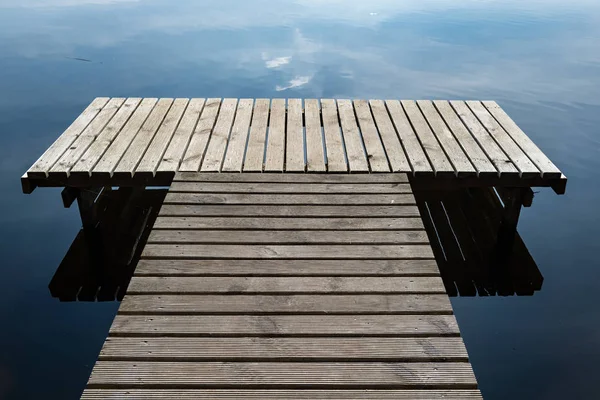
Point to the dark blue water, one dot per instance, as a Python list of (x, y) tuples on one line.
[(539, 60)]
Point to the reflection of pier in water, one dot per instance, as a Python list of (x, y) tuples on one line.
[(100, 267), (462, 226)]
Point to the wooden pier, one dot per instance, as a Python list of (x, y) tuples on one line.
[(287, 290), (290, 257)]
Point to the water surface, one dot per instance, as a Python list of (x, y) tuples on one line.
[(539, 59)]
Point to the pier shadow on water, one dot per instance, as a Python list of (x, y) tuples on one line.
[(99, 266), (462, 226)]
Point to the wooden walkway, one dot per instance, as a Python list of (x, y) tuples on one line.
[(144, 142), (285, 287)]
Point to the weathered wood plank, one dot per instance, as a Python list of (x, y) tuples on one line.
[(439, 161), (548, 169), (336, 153), (461, 163), (389, 137), (284, 349), (217, 143), (284, 325), (74, 152), (375, 152), (315, 155), (181, 138), (40, 168), (255, 152), (287, 304), (257, 199), (283, 375), (109, 160), (487, 143), (285, 285), (276, 143), (234, 158), (357, 159), (475, 154), (270, 223), (196, 149), (281, 394), (517, 156), (416, 156), (291, 177), (226, 251), (149, 163), (268, 187), (223, 210), (137, 148), (294, 149), (147, 267), (98, 147)]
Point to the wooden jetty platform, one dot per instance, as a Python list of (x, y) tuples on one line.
[(291, 288), (290, 257)]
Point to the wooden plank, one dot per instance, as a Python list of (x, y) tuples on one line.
[(475, 154), (389, 137), (226, 251), (272, 267), (461, 163), (284, 285), (218, 187), (276, 143), (548, 169), (288, 211), (291, 177), (288, 237), (336, 153), (357, 159), (217, 142), (517, 156), (487, 143), (375, 153), (98, 147), (280, 394), (197, 147), (40, 168), (282, 375), (315, 155), (270, 223), (285, 349), (234, 158), (439, 161), (255, 152), (74, 152), (294, 149), (287, 304), (154, 154), (181, 138), (416, 156), (323, 199), (284, 325), (137, 148), (108, 162)]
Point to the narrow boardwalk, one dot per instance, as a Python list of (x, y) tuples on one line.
[(144, 142), (285, 286)]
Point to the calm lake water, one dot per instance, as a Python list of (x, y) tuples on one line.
[(539, 59)]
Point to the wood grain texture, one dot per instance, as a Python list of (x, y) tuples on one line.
[(291, 177), (255, 153), (269, 187), (219, 138), (294, 149), (286, 304), (357, 159), (375, 152), (336, 152), (236, 148), (315, 155), (285, 325), (257, 199), (389, 136), (197, 148), (272, 267), (275, 160)]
